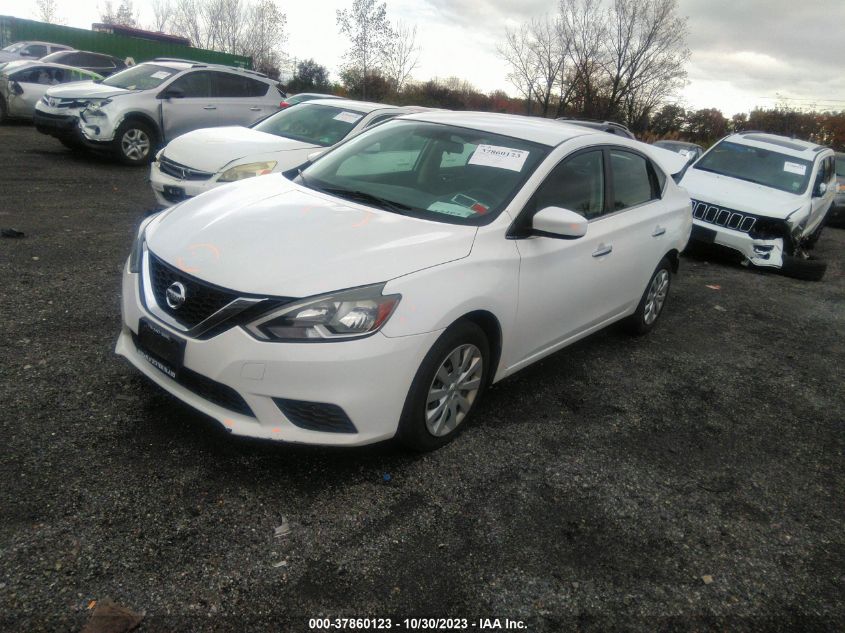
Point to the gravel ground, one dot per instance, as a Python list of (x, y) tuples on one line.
[(688, 480)]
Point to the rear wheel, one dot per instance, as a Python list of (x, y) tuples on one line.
[(447, 387), (134, 143), (652, 302)]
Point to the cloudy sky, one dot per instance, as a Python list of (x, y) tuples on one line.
[(745, 53)]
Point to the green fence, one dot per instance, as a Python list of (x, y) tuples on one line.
[(17, 29)]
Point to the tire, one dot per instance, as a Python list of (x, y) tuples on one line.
[(420, 428), (652, 302), (813, 239), (135, 143), (3, 113), (807, 269)]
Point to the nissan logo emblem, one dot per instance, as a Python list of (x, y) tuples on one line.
[(176, 295)]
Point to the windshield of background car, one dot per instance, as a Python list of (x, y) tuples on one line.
[(755, 164), (310, 123), (14, 47), (141, 77), (432, 171)]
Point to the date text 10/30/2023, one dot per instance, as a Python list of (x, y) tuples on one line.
[(415, 624)]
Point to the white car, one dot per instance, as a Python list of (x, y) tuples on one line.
[(764, 196), (204, 159), (368, 299)]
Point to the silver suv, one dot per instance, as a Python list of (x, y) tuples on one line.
[(135, 111)]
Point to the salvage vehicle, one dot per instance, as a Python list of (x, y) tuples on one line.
[(836, 217), (691, 151), (766, 198), (203, 159), (29, 50), (302, 97), (370, 299), (136, 111), (99, 63), (23, 84)]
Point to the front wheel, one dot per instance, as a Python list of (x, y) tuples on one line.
[(652, 302), (447, 387), (134, 143)]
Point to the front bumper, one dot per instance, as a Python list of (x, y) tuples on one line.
[(62, 125), (169, 190), (367, 378), (760, 252)]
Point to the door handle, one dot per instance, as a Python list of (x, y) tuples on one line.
[(602, 250), (209, 107), (254, 109), (658, 231)]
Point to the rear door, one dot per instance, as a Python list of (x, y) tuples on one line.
[(196, 107), (241, 100), (34, 82)]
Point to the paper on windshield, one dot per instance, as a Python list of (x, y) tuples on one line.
[(451, 209), (795, 168), (348, 117), (160, 75), (497, 156)]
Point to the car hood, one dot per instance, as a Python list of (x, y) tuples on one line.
[(739, 195), (85, 90), (212, 148), (269, 236)]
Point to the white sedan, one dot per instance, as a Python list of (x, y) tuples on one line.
[(374, 297), (204, 159)]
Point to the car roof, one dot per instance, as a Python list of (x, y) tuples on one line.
[(349, 104), (321, 95), (782, 144), (74, 50), (543, 131), (678, 143)]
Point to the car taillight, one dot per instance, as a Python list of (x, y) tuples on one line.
[(283, 105)]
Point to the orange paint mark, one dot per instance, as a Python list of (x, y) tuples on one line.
[(229, 422), (366, 220), (209, 247), (181, 265), (277, 429)]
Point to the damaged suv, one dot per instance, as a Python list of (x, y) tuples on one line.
[(766, 197)]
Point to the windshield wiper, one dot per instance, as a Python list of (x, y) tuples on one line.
[(363, 196)]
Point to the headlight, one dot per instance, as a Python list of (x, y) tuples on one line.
[(247, 171), (341, 315), (138, 245), (94, 105)]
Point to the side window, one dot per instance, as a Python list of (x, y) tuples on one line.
[(235, 86), (73, 59), (78, 75), (195, 85), (94, 61), (633, 183), (576, 184), (34, 50), (28, 76)]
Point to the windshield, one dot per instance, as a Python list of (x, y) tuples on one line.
[(840, 165), (310, 123), (141, 77), (437, 172), (757, 165), (14, 47)]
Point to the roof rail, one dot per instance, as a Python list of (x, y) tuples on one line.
[(175, 59)]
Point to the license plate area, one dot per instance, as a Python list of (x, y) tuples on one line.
[(701, 234), (160, 348), (174, 193)]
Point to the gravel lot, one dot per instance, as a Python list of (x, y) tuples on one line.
[(689, 480)]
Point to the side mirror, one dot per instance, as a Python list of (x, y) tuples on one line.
[(16, 87), (315, 155), (821, 189), (559, 223), (172, 93)]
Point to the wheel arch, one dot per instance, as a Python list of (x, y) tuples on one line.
[(492, 329), (674, 258), (143, 118)]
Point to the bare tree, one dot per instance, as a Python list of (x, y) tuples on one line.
[(48, 12), (518, 52), (583, 31), (264, 36), (369, 32), (402, 54), (549, 58), (163, 13)]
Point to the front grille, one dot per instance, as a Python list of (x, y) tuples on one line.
[(174, 196), (206, 388), (56, 102), (720, 216), (316, 416), (201, 299), (181, 172)]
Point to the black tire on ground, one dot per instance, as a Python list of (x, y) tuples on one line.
[(808, 269), (811, 241), (414, 432), (2, 109), (135, 142), (652, 302)]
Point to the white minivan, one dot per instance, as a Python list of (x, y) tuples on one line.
[(369, 298)]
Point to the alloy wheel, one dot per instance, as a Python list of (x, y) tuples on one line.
[(656, 297), (453, 390), (135, 144)]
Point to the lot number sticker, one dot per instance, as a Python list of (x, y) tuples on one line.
[(160, 75), (795, 168), (348, 117), (501, 157)]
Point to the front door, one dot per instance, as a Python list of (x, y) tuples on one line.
[(195, 108)]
